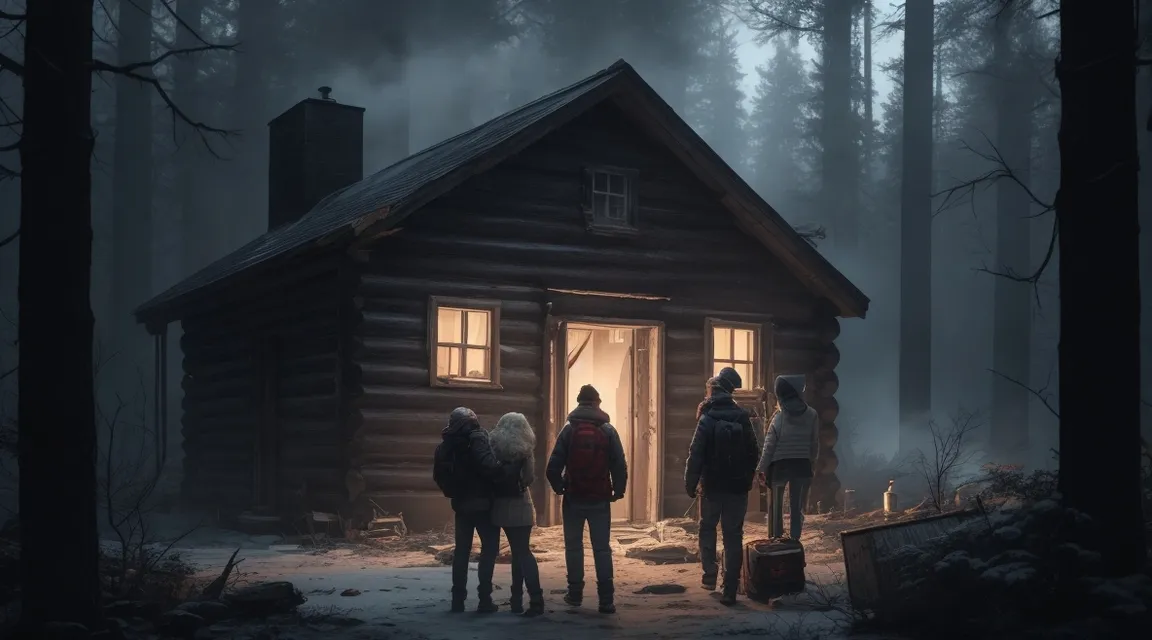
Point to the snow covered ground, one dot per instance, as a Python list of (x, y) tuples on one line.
[(405, 594)]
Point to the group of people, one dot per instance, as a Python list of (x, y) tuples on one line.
[(488, 475)]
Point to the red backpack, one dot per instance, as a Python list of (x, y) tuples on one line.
[(587, 464)]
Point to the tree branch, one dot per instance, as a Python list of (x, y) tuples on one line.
[(8, 240), (1039, 394), (8, 64), (8, 174), (132, 71), (14, 17)]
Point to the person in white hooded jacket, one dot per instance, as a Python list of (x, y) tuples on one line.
[(791, 446)]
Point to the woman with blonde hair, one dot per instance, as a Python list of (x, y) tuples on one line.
[(514, 445)]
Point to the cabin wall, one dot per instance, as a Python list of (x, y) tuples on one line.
[(517, 231), (261, 421)]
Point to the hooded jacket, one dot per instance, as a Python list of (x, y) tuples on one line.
[(699, 470), (476, 480), (558, 461), (514, 445), (793, 434)]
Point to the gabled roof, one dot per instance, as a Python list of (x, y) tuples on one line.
[(382, 200)]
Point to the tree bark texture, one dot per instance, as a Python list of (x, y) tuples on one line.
[(1097, 213), (57, 426), (916, 225), (839, 157), (1012, 300)]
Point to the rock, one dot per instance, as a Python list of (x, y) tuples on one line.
[(265, 598), (350, 592), (179, 624), (661, 589), (132, 609), (210, 610), (65, 631), (668, 553)]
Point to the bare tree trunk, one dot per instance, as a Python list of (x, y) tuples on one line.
[(132, 191), (916, 226), (256, 25), (190, 155), (1012, 301), (1099, 275), (56, 411), (1144, 126), (839, 158), (869, 126)]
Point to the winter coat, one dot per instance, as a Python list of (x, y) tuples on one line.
[(698, 470), (476, 479), (558, 461), (792, 436), (514, 445)]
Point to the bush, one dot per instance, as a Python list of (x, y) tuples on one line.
[(1025, 573)]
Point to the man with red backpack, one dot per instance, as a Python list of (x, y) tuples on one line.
[(588, 468), (722, 462)]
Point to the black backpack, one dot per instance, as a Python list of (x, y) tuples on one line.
[(509, 484), (448, 463), (729, 449)]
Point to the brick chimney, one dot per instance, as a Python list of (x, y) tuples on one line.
[(314, 149)]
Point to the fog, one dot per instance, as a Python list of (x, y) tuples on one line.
[(425, 71)]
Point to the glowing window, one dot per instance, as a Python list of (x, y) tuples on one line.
[(466, 342), (736, 346)]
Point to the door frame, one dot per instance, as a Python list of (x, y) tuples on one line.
[(555, 392)]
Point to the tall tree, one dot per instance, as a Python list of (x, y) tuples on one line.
[(916, 224), (776, 125), (1012, 300), (56, 408), (715, 105), (829, 23), (189, 155), (1099, 262), (132, 181), (868, 134)]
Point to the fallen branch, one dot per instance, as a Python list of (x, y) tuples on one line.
[(216, 588)]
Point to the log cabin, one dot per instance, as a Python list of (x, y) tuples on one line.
[(589, 236)]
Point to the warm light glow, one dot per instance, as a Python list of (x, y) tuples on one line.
[(463, 351), (735, 347)]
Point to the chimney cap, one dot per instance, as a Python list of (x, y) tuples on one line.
[(324, 93)]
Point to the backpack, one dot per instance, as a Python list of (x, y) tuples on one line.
[(510, 484), (448, 461), (729, 449), (587, 464)]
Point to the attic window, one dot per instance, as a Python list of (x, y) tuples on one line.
[(610, 199), (465, 339)]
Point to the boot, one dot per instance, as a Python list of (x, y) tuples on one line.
[(516, 602), (535, 605), (457, 603), (575, 595), (606, 590), (728, 598), (708, 582)]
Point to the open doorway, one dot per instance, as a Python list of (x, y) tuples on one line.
[(623, 363)]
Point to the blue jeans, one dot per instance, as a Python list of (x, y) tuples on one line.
[(797, 498)]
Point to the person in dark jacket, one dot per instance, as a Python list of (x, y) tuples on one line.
[(591, 473), (725, 484), (472, 506)]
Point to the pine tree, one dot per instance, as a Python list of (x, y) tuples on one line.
[(777, 128), (715, 105)]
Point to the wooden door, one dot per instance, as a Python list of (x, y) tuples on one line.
[(555, 386)]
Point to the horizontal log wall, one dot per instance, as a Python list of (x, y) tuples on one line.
[(512, 234), (286, 328)]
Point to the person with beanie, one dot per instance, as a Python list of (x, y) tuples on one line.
[(722, 462), (472, 503), (587, 467), (791, 447)]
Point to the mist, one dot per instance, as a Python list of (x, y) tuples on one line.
[(426, 71)]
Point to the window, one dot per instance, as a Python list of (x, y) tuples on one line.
[(610, 199), (736, 345), (464, 336)]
